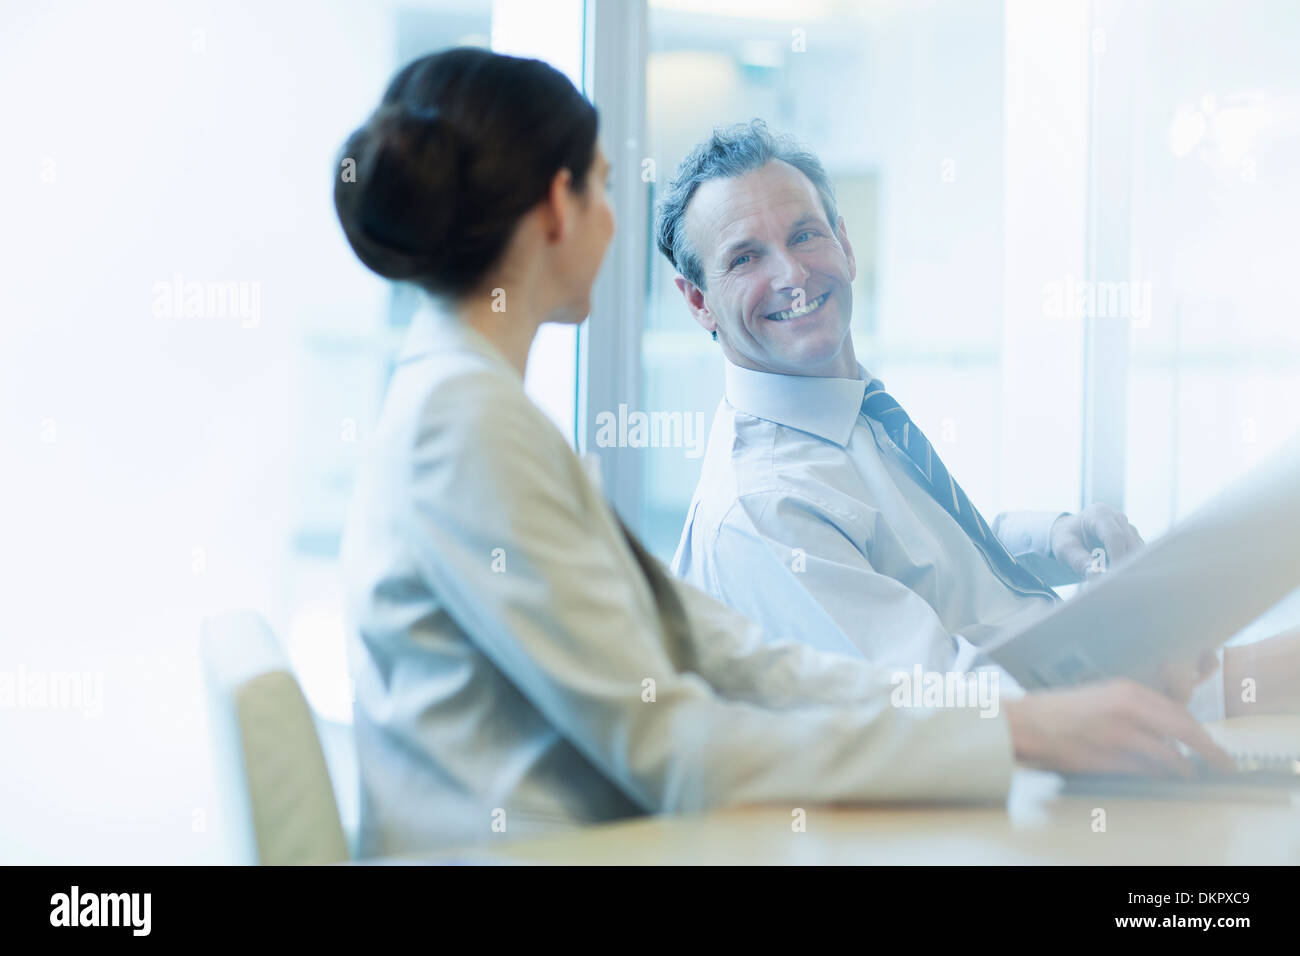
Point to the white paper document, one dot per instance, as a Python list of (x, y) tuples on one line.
[(1186, 592)]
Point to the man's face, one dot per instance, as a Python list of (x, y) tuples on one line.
[(766, 249)]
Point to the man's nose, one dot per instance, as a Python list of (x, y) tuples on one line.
[(789, 273)]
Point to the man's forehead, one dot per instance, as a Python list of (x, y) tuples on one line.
[(725, 210)]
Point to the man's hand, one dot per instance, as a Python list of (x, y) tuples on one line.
[(1115, 726), (1074, 539)]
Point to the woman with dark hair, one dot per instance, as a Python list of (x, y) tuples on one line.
[(520, 661)]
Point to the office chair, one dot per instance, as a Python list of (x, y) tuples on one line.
[(271, 773)]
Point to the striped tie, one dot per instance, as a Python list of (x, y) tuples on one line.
[(880, 405)]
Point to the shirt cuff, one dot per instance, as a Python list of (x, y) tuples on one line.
[(1026, 532), (1207, 701), (1027, 535)]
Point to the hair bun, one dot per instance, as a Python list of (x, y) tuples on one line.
[(464, 143), (395, 227)]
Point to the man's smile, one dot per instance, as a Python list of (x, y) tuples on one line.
[(811, 306)]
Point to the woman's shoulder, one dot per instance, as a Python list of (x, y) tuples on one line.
[(455, 390), (446, 370), (466, 382)]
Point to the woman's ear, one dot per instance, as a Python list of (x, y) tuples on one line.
[(559, 200)]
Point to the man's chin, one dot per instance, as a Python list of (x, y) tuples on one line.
[(809, 354)]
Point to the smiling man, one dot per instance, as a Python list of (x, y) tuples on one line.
[(822, 510)]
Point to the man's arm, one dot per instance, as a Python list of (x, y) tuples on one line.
[(1065, 548), (742, 662), (791, 564)]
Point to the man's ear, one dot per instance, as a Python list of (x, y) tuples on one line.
[(694, 297), (843, 234)]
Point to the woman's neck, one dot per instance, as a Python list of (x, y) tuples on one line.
[(504, 321)]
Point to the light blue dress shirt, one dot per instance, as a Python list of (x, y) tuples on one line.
[(521, 664), (811, 521)]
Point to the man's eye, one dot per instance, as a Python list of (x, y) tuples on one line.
[(740, 260), (806, 232)]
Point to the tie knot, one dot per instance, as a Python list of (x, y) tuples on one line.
[(880, 405)]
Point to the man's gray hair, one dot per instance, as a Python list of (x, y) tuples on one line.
[(731, 151)]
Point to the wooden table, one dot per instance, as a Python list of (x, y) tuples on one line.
[(1042, 822)]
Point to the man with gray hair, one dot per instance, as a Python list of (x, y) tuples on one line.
[(822, 510)]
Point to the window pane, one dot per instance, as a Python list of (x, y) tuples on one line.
[(1215, 202)]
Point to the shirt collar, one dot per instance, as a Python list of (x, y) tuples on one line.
[(825, 407), (436, 328)]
